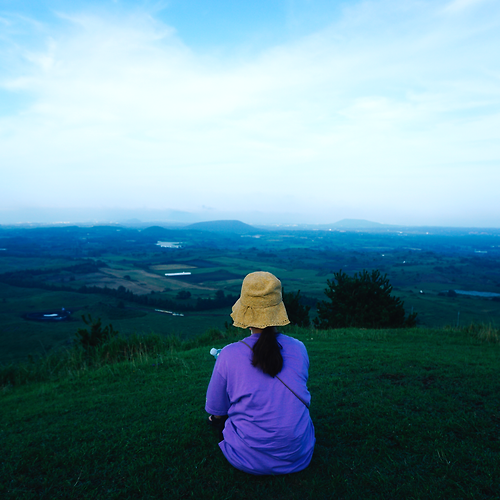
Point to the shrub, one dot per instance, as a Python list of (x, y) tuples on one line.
[(95, 335)]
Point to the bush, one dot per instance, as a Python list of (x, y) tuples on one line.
[(95, 336), (362, 301)]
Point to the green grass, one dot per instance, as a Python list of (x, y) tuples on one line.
[(399, 414), (436, 311)]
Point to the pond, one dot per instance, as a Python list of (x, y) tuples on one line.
[(60, 315)]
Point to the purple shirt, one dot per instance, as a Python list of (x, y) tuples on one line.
[(269, 430)]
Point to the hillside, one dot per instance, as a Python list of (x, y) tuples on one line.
[(223, 226), (398, 414)]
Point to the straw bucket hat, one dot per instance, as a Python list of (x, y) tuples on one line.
[(260, 304)]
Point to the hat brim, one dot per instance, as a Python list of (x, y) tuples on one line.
[(246, 316)]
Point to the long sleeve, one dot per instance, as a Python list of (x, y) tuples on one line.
[(217, 397)]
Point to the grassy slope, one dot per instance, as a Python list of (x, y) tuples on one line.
[(398, 414)]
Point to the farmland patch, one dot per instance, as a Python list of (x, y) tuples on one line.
[(180, 284), (212, 276), (200, 263), (141, 283)]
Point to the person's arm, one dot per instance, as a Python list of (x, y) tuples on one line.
[(217, 403)]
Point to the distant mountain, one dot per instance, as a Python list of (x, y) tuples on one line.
[(357, 224), (157, 232), (223, 226)]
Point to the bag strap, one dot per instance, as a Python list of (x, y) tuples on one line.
[(289, 388)]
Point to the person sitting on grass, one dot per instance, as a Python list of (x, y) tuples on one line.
[(258, 391)]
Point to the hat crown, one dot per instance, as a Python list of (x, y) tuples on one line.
[(261, 289)]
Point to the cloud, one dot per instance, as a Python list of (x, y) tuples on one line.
[(367, 112), (460, 5)]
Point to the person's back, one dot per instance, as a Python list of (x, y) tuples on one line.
[(268, 430)]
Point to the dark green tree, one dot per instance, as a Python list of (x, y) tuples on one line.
[(298, 314), (363, 300)]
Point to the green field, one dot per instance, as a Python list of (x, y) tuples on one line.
[(51, 277), (399, 414)]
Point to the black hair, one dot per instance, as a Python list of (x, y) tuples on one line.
[(267, 352)]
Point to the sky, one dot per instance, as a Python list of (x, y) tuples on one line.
[(270, 111)]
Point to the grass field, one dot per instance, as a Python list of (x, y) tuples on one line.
[(410, 414), (221, 270)]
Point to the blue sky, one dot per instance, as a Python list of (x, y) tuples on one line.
[(267, 111)]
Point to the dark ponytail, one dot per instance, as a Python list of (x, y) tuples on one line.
[(267, 352)]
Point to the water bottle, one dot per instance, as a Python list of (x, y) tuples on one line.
[(215, 352)]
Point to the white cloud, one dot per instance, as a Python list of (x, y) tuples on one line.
[(381, 103)]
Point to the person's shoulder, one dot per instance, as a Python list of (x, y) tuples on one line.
[(234, 348), (231, 355), (287, 338), (290, 340)]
